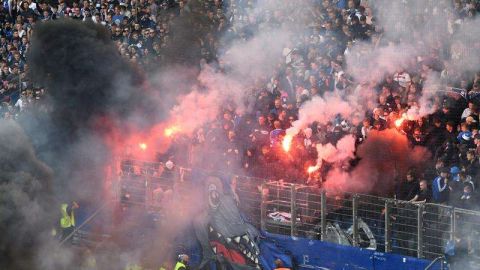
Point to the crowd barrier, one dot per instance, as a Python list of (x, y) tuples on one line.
[(422, 230)]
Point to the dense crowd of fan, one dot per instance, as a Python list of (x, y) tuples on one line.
[(312, 65)]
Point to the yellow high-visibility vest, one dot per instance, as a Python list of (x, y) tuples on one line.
[(66, 221), (179, 265)]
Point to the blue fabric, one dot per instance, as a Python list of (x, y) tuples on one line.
[(314, 254), (467, 134), (275, 136), (450, 248), (437, 195), (342, 4), (270, 252)]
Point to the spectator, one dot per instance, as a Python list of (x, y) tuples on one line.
[(424, 194), (440, 190), (313, 64), (407, 190), (468, 199)]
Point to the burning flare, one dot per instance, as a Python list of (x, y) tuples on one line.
[(142, 146), (399, 121), (169, 132), (287, 142), (313, 169)]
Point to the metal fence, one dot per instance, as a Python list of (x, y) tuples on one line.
[(383, 224)]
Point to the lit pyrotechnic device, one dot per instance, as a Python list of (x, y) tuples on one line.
[(142, 146), (169, 132), (313, 169), (287, 142), (399, 121)]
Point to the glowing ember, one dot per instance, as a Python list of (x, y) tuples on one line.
[(287, 142), (312, 169), (142, 146), (169, 132)]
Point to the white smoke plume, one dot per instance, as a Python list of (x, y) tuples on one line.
[(414, 31), (369, 64), (242, 63), (320, 110), (343, 151)]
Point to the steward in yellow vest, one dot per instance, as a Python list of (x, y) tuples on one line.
[(182, 263), (67, 220)]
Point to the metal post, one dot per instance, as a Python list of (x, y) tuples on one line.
[(420, 209), (388, 226), (355, 220), (453, 223), (323, 215), (293, 209), (263, 208)]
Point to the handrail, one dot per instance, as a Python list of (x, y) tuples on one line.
[(413, 229), (435, 261), (138, 162), (85, 222)]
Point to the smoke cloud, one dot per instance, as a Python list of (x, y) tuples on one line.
[(83, 74), (413, 32), (320, 110), (243, 61), (384, 157), (25, 198), (90, 88)]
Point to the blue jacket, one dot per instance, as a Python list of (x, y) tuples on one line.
[(440, 190)]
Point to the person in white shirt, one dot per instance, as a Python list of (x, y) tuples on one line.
[(21, 102), (468, 111)]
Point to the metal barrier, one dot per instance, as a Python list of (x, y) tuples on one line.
[(439, 260), (383, 224)]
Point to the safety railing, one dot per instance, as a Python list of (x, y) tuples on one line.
[(441, 260), (145, 184), (383, 224)]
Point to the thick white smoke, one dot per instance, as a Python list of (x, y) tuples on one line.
[(343, 151), (320, 110)]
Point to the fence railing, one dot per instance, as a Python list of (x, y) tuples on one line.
[(383, 224)]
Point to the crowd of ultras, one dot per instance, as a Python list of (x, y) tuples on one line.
[(312, 64)]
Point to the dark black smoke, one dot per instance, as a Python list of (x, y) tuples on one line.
[(90, 89), (80, 66), (25, 200)]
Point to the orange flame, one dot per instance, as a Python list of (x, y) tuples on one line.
[(312, 169), (287, 142), (142, 146), (169, 132)]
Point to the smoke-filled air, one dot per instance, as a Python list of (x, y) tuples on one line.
[(149, 134)]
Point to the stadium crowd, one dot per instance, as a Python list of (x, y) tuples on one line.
[(312, 65)]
